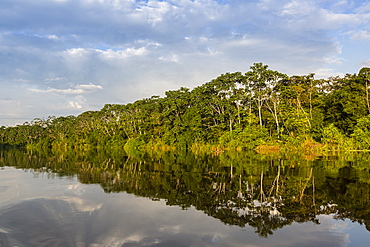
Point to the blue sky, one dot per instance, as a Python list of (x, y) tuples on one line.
[(64, 57)]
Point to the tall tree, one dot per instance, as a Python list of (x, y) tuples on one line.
[(258, 79), (364, 74), (345, 102), (273, 100)]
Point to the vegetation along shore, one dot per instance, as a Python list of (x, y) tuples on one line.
[(262, 109)]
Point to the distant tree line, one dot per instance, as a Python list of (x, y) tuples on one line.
[(259, 108)]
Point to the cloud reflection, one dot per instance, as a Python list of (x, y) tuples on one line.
[(83, 215), (132, 221)]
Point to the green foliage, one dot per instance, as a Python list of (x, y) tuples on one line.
[(361, 133), (346, 102), (332, 135), (247, 138), (234, 110), (333, 138), (134, 144)]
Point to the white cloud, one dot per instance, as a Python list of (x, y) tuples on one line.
[(360, 35), (74, 105), (84, 54), (60, 91), (52, 36), (88, 87), (78, 89), (121, 54), (309, 15), (298, 8), (56, 79), (135, 49), (340, 4), (364, 8), (326, 73), (171, 58), (78, 52), (336, 19), (156, 11), (334, 60)]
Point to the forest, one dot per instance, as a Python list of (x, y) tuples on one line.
[(261, 109)]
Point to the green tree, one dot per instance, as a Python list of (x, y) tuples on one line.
[(258, 81), (364, 74), (345, 102), (361, 133)]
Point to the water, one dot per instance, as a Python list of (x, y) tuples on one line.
[(114, 199)]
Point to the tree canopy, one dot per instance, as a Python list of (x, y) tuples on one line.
[(261, 107)]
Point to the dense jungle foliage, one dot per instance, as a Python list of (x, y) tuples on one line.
[(260, 109)]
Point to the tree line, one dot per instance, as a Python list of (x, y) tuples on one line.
[(258, 109)]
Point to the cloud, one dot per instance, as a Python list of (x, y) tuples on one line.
[(134, 49), (81, 53), (360, 35), (132, 220), (78, 89), (170, 58), (364, 8), (88, 87), (298, 8), (334, 60), (61, 91), (326, 73), (56, 79), (74, 105)]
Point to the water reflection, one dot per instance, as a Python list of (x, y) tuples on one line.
[(50, 222), (243, 195)]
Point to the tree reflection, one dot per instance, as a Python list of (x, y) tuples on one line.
[(264, 192)]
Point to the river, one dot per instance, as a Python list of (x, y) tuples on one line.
[(101, 198)]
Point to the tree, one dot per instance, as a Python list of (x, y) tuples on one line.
[(273, 101), (263, 84), (364, 74), (345, 102), (258, 79), (361, 133)]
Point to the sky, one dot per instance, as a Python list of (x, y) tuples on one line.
[(65, 57)]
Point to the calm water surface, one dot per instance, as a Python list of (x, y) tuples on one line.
[(96, 199)]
